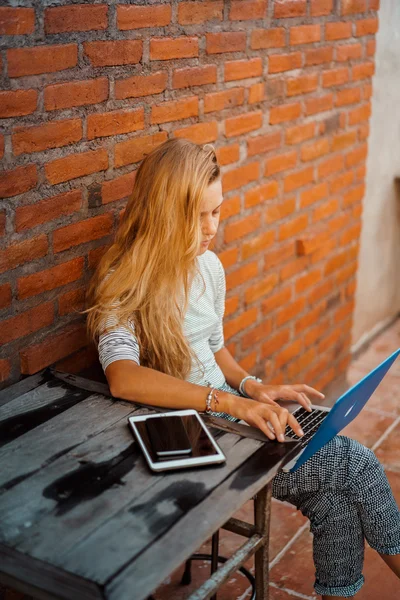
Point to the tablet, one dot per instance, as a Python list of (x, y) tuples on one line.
[(204, 449)]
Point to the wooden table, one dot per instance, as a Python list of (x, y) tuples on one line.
[(82, 517)]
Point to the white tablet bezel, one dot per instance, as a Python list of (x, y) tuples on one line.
[(180, 463)]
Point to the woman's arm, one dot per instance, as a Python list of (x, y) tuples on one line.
[(233, 372)]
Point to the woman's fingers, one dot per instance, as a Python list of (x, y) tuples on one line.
[(302, 387), (293, 423), (263, 425)]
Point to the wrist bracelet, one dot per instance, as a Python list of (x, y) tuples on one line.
[(241, 385), (213, 394)]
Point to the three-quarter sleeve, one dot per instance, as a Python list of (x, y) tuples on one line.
[(118, 344), (216, 340)]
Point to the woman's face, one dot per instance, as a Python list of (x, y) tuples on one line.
[(210, 213)]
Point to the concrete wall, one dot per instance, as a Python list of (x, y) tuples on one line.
[(378, 279)]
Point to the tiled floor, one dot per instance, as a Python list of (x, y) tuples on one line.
[(292, 569)]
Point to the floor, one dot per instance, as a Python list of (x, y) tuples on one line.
[(292, 570)]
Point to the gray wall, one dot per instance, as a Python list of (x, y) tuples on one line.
[(378, 278)]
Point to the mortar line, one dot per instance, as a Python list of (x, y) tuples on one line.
[(289, 544), (385, 434)]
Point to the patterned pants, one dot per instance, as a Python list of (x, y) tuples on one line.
[(344, 492)]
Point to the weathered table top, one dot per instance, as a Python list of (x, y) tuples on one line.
[(81, 515)]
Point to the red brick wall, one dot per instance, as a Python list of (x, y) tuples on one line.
[(283, 90)]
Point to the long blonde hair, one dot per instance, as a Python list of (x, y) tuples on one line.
[(145, 276)]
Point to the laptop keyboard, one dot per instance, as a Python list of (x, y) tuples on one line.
[(309, 422)]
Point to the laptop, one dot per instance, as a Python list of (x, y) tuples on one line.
[(322, 424)]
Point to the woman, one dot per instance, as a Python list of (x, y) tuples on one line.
[(156, 309)]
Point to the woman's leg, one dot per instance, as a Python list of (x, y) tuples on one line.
[(344, 492)]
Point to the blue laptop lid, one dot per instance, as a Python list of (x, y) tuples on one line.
[(346, 408)]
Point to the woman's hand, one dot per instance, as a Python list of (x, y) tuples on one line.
[(267, 394), (271, 419)]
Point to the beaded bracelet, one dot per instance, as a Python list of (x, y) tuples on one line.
[(213, 393)]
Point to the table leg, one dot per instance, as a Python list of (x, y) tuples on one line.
[(214, 556), (262, 514)]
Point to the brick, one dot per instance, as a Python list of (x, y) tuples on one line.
[(307, 280), (137, 17), (76, 165), (313, 195), (228, 154), (114, 123), (348, 52), (117, 52), (264, 143), (325, 210), (293, 227), (362, 71), (17, 21), (52, 208), (256, 93), (277, 63), (194, 13), (5, 370), (289, 8), (53, 134), (366, 27), (370, 48), (17, 103), (330, 165), (228, 41), (367, 91), (175, 110), (355, 195), (268, 38), (82, 232), (275, 343), (241, 275), (118, 188), (302, 85), (309, 243), (335, 263), (141, 85), (3, 219), (343, 140), (49, 279), (318, 56), (240, 177), (341, 182), (243, 123), (351, 7), (279, 255), (231, 305), (320, 8), (310, 318), (229, 257), (348, 96), (241, 228), (315, 149), (52, 348), (243, 69), (260, 194), (169, 48), (17, 254), (296, 266), (291, 352), (350, 235), (241, 322), (335, 77), (230, 208), (17, 181), (356, 156), (283, 209), (317, 105), (304, 34), (71, 301), (374, 4), (221, 100), (299, 133), (5, 291), (133, 151), (298, 365), (255, 292), (201, 133), (285, 112), (337, 30), (362, 113), (298, 179), (75, 93), (77, 17), (189, 77), (27, 322), (279, 163), (41, 59), (257, 244), (245, 10)]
